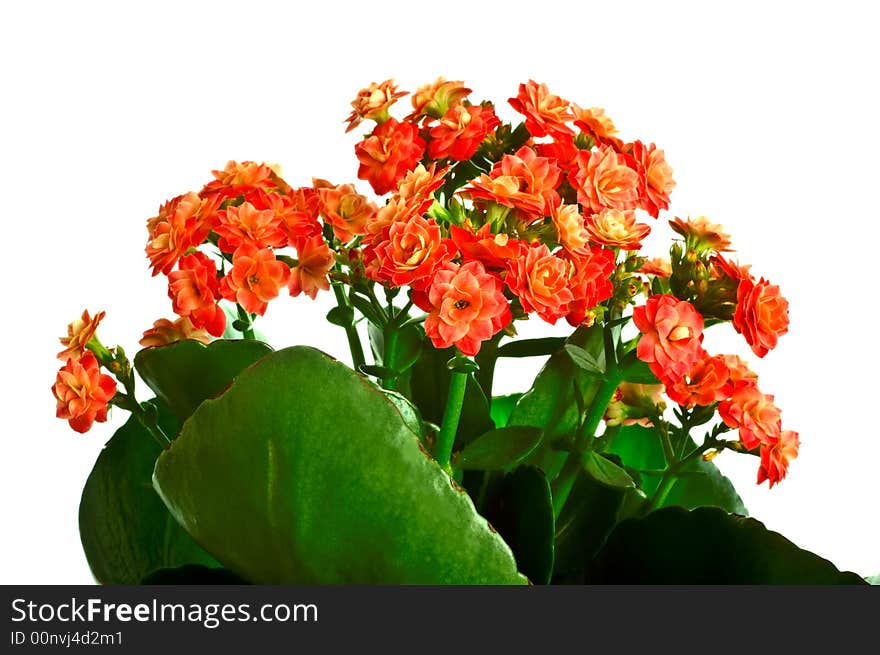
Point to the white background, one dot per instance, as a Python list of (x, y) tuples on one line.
[(767, 113)]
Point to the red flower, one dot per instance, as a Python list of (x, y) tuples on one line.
[(242, 179), (604, 180), (754, 414), (246, 224), (775, 457), (540, 280), (672, 331), (78, 335), (707, 382), (562, 149), (523, 181), (388, 153), (82, 392), (296, 214), (761, 314), (492, 250), (461, 131), (589, 281), (345, 209), (546, 114), (314, 261), (164, 332), (182, 223), (408, 253), (255, 278), (194, 290), (656, 176), (465, 305)]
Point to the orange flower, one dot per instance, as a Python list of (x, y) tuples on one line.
[(604, 180), (776, 457), (182, 223), (461, 131), (492, 250), (546, 114), (408, 254), (465, 305), (296, 214), (79, 333), (733, 270), (418, 186), (656, 175), (761, 314), (570, 227), (242, 179), (659, 266), (388, 153), (635, 404), (373, 102), (616, 228), (164, 332), (754, 414), (540, 280), (247, 224), (194, 290), (315, 259), (255, 278), (672, 331), (701, 235), (707, 382), (523, 181), (589, 280), (597, 125), (437, 98), (345, 209), (82, 392), (562, 149), (739, 372)]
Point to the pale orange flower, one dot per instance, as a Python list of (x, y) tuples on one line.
[(247, 224), (242, 178), (408, 254), (595, 123), (314, 261), (82, 392), (164, 332), (372, 103), (776, 457), (657, 177), (418, 186), (79, 333), (540, 280), (604, 180), (523, 181), (761, 314), (659, 266), (570, 227), (545, 113), (437, 98), (344, 209), (701, 234), (754, 414), (465, 305), (255, 278), (616, 228)]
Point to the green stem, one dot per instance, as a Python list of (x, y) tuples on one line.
[(354, 341), (451, 415), (244, 317), (669, 476), (389, 359)]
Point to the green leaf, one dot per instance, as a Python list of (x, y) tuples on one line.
[(707, 546), (365, 307), (409, 412), (873, 580), (531, 347), (499, 449), (185, 373), (640, 448), (429, 388), (522, 511), (125, 529), (341, 315), (587, 518), (193, 574), (501, 408), (635, 370), (584, 360), (303, 472), (606, 472)]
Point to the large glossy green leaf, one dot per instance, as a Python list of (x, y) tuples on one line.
[(707, 546), (125, 529), (185, 373), (521, 509), (429, 388), (303, 472), (702, 483)]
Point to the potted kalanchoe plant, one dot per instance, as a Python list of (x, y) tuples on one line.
[(287, 466)]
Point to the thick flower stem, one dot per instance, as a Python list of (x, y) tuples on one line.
[(669, 477), (354, 341), (390, 357), (449, 428)]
